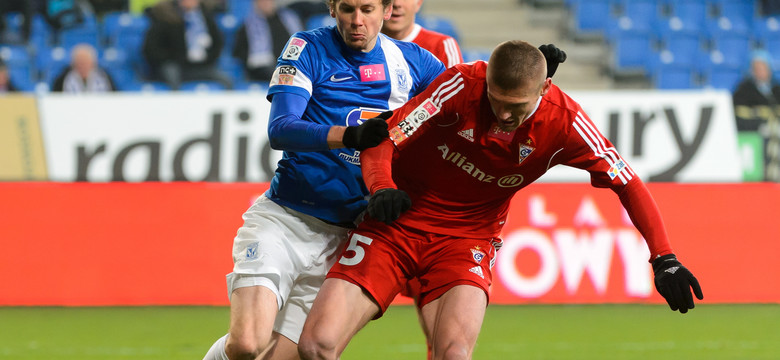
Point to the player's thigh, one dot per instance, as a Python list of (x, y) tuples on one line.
[(455, 317), (340, 310), (378, 260)]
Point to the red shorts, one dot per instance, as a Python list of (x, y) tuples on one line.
[(382, 258)]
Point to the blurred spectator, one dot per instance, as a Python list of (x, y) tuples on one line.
[(24, 7), (183, 43), (5, 80), (756, 106), (758, 88), (262, 37), (402, 26), (83, 75)]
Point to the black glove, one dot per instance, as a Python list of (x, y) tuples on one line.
[(674, 282), (553, 56), (386, 205), (368, 134)]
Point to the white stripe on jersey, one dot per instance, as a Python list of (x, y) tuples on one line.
[(451, 48), (398, 73), (596, 143), (299, 79), (447, 89)]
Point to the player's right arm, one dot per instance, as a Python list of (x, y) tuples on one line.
[(291, 89)]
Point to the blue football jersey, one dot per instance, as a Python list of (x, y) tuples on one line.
[(343, 87)]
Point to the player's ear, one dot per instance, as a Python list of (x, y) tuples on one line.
[(546, 86), (388, 11)]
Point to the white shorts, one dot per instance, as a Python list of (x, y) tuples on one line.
[(287, 252)]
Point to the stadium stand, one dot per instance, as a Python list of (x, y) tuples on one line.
[(669, 43)]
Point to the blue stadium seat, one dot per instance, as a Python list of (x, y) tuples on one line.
[(22, 78), (316, 21), (118, 25), (722, 77), (115, 62), (687, 17), (590, 16), (438, 24), (86, 32), (473, 54), (51, 61), (674, 77), (738, 10), (631, 52), (638, 15), (772, 45), (733, 47), (767, 27), (685, 49), (19, 62), (14, 54)]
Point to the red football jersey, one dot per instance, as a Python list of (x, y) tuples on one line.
[(461, 171), (444, 47)]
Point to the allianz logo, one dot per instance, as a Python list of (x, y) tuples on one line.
[(459, 160)]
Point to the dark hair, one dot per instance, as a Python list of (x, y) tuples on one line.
[(515, 63), (332, 3)]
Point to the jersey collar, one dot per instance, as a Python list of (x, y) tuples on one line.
[(413, 35)]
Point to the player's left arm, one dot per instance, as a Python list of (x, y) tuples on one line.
[(597, 155), (672, 280)]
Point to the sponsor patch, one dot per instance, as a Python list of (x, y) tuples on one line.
[(353, 158), (615, 170), (467, 134), (294, 49), (412, 122), (496, 132), (477, 255), (403, 82), (374, 72), (251, 251), (359, 115), (525, 150), (285, 75)]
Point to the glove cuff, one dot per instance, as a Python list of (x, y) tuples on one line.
[(660, 261), (349, 139)]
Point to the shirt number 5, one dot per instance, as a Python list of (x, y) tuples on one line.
[(360, 252)]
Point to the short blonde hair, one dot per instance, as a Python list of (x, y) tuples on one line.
[(516, 63)]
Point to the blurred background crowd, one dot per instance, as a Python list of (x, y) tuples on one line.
[(78, 46)]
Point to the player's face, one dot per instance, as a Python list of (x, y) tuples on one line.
[(512, 107), (402, 18), (359, 21)]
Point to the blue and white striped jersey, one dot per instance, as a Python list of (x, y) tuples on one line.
[(343, 87)]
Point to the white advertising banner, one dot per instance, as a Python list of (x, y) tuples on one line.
[(666, 136), (158, 137), (685, 136)]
